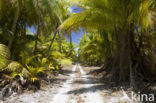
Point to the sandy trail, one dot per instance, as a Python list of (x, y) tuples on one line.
[(61, 96), (73, 86), (90, 97)]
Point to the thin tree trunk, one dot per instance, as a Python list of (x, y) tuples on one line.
[(24, 29), (71, 46), (60, 42), (13, 29), (37, 34), (55, 33), (39, 26)]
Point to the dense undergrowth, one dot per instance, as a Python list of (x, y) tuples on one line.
[(31, 47), (27, 72)]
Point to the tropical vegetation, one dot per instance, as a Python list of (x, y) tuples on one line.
[(118, 34), (123, 33), (27, 57)]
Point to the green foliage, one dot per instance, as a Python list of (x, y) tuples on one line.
[(21, 44), (27, 59), (114, 26), (91, 49), (105, 15), (4, 56), (66, 62), (34, 73), (109, 20), (15, 74), (15, 67), (44, 60)]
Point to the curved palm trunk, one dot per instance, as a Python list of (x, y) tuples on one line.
[(52, 41)]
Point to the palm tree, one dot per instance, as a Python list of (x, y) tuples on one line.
[(43, 14), (119, 18)]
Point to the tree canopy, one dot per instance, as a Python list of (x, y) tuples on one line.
[(118, 34)]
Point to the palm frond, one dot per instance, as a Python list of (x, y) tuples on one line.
[(4, 56), (15, 67)]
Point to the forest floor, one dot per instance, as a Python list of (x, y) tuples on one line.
[(73, 85)]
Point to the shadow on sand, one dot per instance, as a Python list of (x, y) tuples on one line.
[(87, 89)]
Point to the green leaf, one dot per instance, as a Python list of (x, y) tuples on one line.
[(4, 56)]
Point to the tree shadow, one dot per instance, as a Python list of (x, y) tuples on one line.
[(88, 81), (88, 89), (56, 80), (95, 85), (66, 72)]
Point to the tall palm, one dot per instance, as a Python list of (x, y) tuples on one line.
[(119, 17)]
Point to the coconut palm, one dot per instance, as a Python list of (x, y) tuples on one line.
[(120, 18)]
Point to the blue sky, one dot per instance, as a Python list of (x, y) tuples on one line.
[(75, 36), (78, 35), (32, 29)]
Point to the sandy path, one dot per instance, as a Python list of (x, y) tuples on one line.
[(74, 85), (64, 95), (61, 96), (89, 97)]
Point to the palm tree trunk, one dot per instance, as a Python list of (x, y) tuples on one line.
[(60, 42), (71, 46), (37, 34), (55, 33), (13, 29), (124, 57)]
